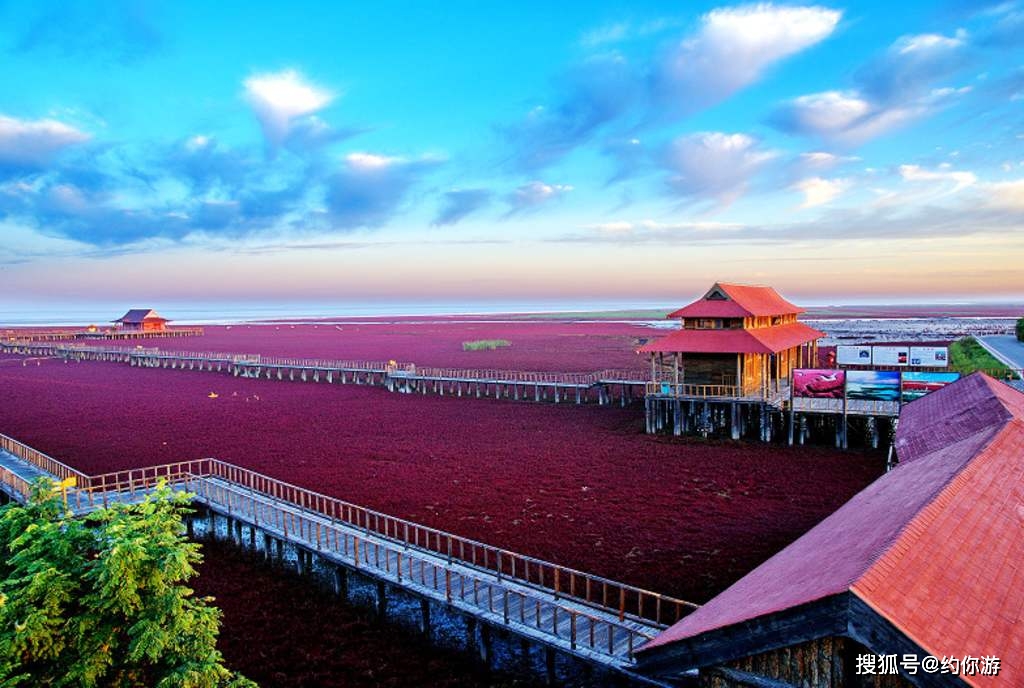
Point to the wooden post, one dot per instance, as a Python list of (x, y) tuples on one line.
[(485, 644), (382, 599), (425, 616), (340, 580)]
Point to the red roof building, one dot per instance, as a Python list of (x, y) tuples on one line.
[(142, 320), (926, 561), (735, 341)]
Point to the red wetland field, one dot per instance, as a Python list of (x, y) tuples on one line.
[(579, 485), (536, 346)]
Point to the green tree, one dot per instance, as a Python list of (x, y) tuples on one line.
[(102, 600), (1020, 330)]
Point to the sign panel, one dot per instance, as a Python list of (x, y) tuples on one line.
[(890, 355), (818, 383), (853, 355), (916, 385), (929, 356), (873, 385)]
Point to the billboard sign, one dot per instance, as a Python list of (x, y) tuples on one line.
[(873, 385), (929, 356), (818, 383), (890, 355), (916, 385), (853, 355)]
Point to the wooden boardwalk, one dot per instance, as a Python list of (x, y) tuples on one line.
[(67, 334), (603, 386), (592, 618)]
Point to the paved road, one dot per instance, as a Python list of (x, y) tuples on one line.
[(1007, 346)]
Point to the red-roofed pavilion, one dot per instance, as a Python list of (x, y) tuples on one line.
[(735, 341), (142, 320)]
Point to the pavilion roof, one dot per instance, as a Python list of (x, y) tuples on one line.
[(726, 300), (138, 315), (758, 340)]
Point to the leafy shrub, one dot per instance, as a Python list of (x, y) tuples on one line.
[(103, 600)]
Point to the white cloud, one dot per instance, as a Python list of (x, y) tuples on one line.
[(1006, 195), (851, 118), (929, 42), (893, 89), (536, 193), (650, 227), (714, 164), (827, 113), (734, 47), (369, 161), (281, 98), (944, 174), (197, 142), (35, 142), (818, 191), (369, 189)]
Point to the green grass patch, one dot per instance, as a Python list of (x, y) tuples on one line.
[(1020, 330), (485, 344), (967, 356)]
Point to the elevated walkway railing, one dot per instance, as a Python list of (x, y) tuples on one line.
[(391, 368), (706, 391), (626, 602)]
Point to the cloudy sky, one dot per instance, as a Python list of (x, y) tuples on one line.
[(497, 151)]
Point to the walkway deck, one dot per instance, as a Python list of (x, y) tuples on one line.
[(593, 618)]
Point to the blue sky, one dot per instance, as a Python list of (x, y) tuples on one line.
[(565, 151)]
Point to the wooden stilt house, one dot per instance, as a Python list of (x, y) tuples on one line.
[(735, 341)]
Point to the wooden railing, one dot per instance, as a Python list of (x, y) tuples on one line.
[(396, 370), (15, 484), (704, 391), (473, 587), (59, 349), (278, 361), (581, 587), (63, 334), (622, 375), (41, 461), (628, 602), (509, 376)]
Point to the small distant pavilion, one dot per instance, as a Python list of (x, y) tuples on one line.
[(142, 320), (735, 341)]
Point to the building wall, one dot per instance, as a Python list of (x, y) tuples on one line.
[(709, 369), (823, 663)]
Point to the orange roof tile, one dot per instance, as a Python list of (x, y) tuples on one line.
[(741, 301), (759, 340)]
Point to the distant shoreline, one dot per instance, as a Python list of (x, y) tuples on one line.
[(271, 316)]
